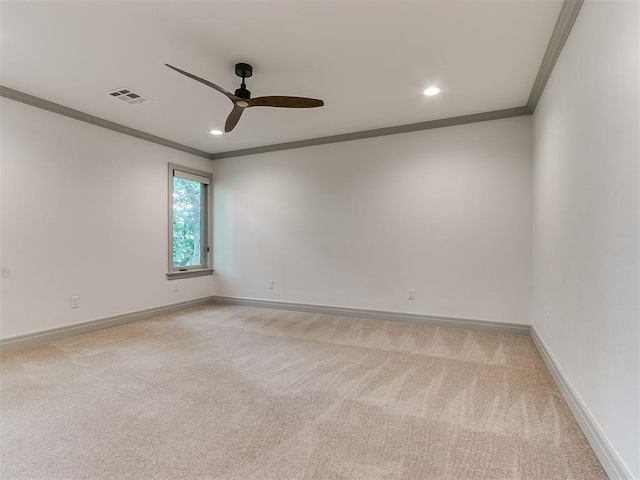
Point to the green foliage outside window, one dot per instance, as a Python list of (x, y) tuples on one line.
[(187, 222)]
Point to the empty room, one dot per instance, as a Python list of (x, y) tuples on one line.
[(320, 239)]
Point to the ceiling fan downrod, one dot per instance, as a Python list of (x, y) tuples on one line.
[(243, 70)]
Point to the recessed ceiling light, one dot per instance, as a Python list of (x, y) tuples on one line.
[(216, 132), (431, 91)]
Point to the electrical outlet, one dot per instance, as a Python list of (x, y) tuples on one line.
[(175, 286), (75, 301), (271, 283), (412, 294), (547, 319)]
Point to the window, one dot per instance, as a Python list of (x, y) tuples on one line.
[(189, 250)]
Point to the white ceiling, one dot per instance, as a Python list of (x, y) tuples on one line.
[(368, 60)]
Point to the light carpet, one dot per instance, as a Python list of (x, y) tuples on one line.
[(230, 392)]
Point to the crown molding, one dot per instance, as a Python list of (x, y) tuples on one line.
[(100, 122), (380, 132), (567, 17)]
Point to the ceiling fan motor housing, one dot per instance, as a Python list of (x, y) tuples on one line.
[(243, 93), (243, 70)]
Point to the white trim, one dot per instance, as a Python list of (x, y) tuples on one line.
[(609, 458)]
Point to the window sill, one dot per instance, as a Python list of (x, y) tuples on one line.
[(189, 273)]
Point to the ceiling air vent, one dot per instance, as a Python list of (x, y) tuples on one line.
[(129, 96)]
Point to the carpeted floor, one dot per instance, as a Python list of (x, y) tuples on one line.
[(231, 392)]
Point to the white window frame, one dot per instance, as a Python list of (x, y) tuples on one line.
[(206, 179)]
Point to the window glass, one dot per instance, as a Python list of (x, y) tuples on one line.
[(189, 197), (187, 222)]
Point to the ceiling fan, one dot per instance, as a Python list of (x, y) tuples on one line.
[(242, 97)]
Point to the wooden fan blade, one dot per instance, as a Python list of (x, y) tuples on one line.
[(285, 102), (230, 95), (232, 119)]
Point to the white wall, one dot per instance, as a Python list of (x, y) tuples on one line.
[(446, 212), (587, 216), (84, 212)]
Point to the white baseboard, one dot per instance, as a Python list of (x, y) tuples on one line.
[(610, 460), (29, 339), (436, 320)]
